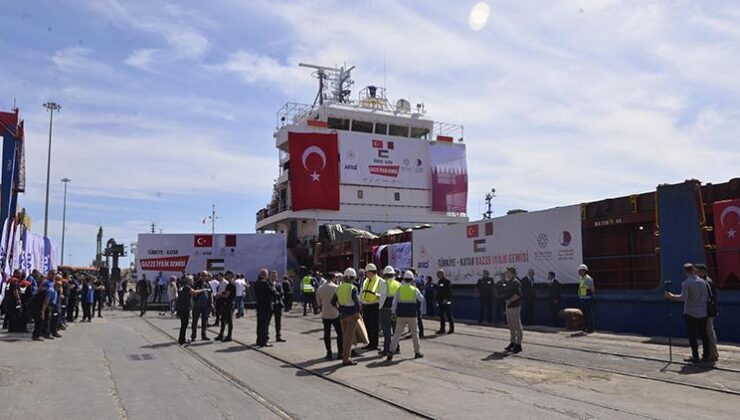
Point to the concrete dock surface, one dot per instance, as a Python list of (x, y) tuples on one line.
[(123, 366)]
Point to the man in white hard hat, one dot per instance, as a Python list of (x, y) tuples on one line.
[(370, 297), (348, 303), (406, 302), (586, 291), (386, 301)]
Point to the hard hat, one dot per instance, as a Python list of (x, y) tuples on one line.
[(388, 270), (371, 267), (583, 267), (350, 272), (408, 275)]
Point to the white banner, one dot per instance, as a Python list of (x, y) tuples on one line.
[(400, 255), (241, 253), (548, 240), (372, 159)]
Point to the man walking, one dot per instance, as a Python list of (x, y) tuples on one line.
[(444, 300), (512, 298), (429, 289), (201, 306), (264, 294), (277, 304), (553, 297), (329, 313), (347, 302), (143, 289), (586, 291), (406, 302), (484, 290), (184, 305), (226, 298), (694, 297), (157, 289), (88, 298), (241, 289), (528, 297), (387, 325), (370, 297), (308, 289), (711, 311), (40, 305), (288, 293)]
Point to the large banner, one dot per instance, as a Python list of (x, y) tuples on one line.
[(372, 159), (727, 236), (244, 253), (449, 177), (548, 240), (314, 171)]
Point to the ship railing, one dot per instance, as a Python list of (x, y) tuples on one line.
[(448, 132), (291, 113)]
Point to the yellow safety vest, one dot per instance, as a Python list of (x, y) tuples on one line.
[(583, 290), (344, 294), (307, 286), (393, 286), (407, 305), (370, 290), (407, 293)]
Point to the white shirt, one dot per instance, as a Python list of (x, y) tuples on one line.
[(214, 286), (241, 286), (222, 286)]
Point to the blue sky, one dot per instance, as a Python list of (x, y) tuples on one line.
[(169, 107)]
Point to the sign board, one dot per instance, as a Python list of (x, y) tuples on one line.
[(173, 253), (373, 159), (548, 240)]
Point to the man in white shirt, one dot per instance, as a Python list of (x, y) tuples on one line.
[(213, 283), (241, 289)]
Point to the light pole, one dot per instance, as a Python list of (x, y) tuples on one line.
[(489, 198), (51, 107), (64, 215)]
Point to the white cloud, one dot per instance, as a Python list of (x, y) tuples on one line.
[(142, 59), (252, 67), (80, 60)]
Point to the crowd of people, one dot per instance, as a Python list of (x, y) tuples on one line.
[(44, 304)]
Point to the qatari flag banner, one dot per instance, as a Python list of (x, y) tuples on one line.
[(727, 236), (449, 177)]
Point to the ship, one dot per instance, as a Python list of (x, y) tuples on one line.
[(397, 169)]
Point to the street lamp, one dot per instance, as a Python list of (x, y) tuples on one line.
[(489, 199), (64, 214), (51, 107)]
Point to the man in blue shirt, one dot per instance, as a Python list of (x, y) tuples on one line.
[(161, 282)]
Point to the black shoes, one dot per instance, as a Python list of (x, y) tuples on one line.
[(691, 360), (510, 347), (418, 356), (328, 356), (225, 339), (219, 337), (350, 363), (439, 332), (517, 349), (204, 338), (279, 340)]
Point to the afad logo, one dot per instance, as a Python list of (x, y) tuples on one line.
[(565, 238)]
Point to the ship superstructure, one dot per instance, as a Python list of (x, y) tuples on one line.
[(397, 167)]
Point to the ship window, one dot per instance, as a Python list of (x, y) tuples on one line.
[(399, 130), (397, 196), (359, 194), (419, 133), (337, 123), (362, 126), (381, 128)]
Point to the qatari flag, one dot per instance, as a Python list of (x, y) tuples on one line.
[(449, 177)]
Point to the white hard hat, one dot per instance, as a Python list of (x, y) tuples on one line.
[(388, 270), (350, 272), (408, 275), (371, 267), (583, 267)]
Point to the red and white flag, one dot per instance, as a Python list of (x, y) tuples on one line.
[(202, 241), (314, 171), (727, 236)]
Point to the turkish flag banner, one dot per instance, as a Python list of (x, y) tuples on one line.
[(314, 171), (727, 237), (472, 231), (202, 241)]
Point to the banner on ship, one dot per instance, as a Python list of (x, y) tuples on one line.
[(727, 236), (449, 177), (377, 160), (245, 253), (314, 171), (548, 240)]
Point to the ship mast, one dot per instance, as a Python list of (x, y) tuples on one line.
[(339, 80)]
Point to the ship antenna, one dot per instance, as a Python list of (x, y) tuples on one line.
[(338, 78)]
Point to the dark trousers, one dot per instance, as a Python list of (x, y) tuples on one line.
[(486, 309), (328, 324), (144, 301), (157, 294), (278, 314), (38, 326), (184, 320), (202, 314), (98, 303), (445, 315), (527, 311), (371, 316), (587, 307), (309, 299), (420, 323), (86, 313), (227, 318), (219, 308), (387, 327), (263, 325), (554, 312), (288, 299), (697, 327), (71, 305), (430, 305), (121, 293)]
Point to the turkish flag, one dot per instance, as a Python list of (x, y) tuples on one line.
[(314, 171), (377, 144), (202, 241), (727, 237), (473, 231)]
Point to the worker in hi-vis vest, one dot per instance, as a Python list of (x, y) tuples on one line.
[(586, 291), (348, 303), (406, 302), (308, 289), (371, 297), (386, 317)]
